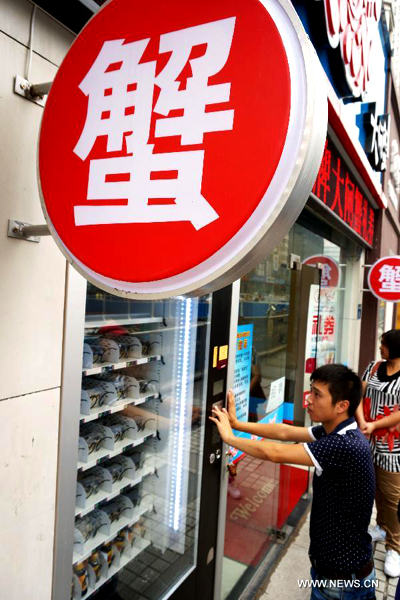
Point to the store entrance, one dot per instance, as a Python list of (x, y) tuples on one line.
[(302, 340), (277, 303)]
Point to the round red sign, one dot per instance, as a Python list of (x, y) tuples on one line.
[(384, 279), (170, 141), (330, 269)]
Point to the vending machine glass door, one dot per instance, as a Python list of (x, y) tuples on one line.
[(141, 432)]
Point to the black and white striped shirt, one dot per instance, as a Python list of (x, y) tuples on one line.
[(384, 390)]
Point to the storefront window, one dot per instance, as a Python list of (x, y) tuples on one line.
[(385, 323), (337, 300), (264, 304), (254, 506), (269, 373)]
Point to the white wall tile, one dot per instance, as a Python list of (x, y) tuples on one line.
[(28, 470), (15, 19), (32, 275), (50, 38)]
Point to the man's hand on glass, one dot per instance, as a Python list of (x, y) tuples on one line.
[(233, 421), (222, 421)]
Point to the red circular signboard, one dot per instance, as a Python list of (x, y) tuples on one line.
[(384, 278), (330, 269), (169, 137)]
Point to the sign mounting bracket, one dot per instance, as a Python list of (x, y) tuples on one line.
[(25, 231), (35, 92)]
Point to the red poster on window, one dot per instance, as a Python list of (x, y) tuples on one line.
[(330, 269)]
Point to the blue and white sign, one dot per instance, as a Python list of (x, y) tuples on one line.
[(241, 386)]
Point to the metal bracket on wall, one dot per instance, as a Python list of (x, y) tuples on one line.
[(35, 92), (26, 231)]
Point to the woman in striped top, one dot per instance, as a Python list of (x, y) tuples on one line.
[(378, 417)]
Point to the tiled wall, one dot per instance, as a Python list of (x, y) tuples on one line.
[(32, 289)]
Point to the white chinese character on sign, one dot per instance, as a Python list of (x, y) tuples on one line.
[(389, 279), (120, 98), (326, 275), (140, 189), (121, 90), (198, 94)]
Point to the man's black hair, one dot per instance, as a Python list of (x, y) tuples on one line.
[(391, 339), (343, 384)]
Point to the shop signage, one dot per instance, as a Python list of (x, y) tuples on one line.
[(321, 333), (384, 279), (394, 167), (395, 164), (312, 332), (242, 379), (175, 137), (243, 361), (330, 269), (377, 143), (276, 394), (322, 325), (393, 184), (336, 188), (352, 26)]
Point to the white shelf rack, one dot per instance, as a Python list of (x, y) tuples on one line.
[(100, 538), (104, 454), (107, 366), (98, 500), (96, 323), (123, 486), (102, 411)]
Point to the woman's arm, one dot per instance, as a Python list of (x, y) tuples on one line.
[(360, 415), (360, 409), (390, 421)]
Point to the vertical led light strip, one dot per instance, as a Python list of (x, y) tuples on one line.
[(182, 401)]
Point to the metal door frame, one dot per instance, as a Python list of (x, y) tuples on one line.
[(73, 335), (204, 580)]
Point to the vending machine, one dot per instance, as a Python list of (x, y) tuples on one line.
[(131, 462)]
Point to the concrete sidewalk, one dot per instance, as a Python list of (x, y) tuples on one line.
[(294, 565)]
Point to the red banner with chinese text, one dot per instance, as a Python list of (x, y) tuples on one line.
[(336, 188)]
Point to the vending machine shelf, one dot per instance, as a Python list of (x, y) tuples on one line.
[(104, 454), (139, 545), (108, 366), (123, 486), (115, 529), (117, 407), (96, 323), (140, 410)]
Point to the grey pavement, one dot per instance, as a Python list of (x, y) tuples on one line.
[(294, 565)]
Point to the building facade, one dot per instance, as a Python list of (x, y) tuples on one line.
[(302, 306)]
